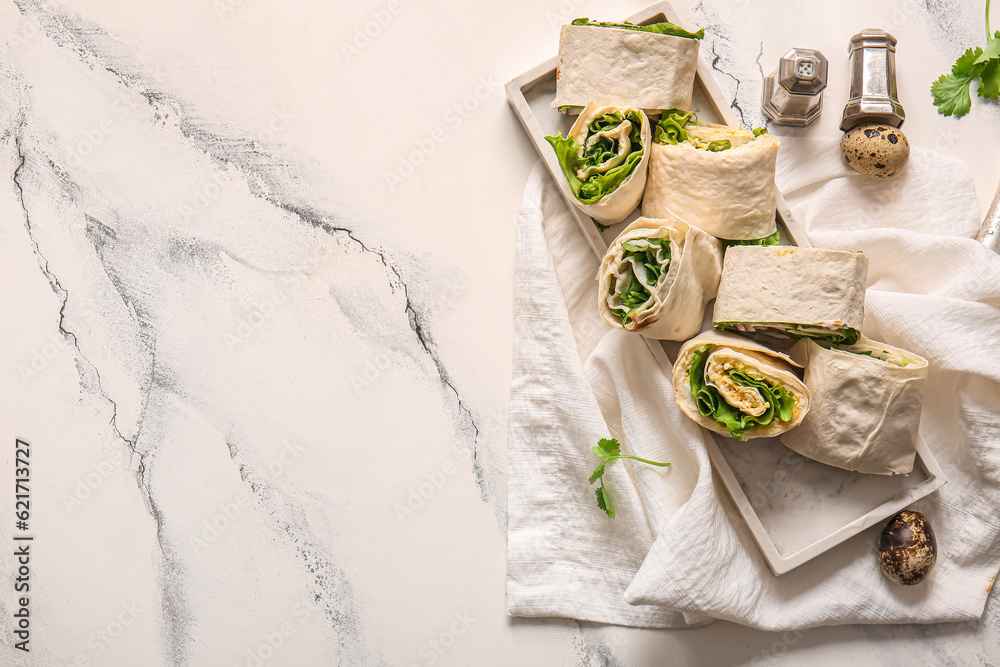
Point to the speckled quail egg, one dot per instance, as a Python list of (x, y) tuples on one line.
[(907, 549), (875, 149)]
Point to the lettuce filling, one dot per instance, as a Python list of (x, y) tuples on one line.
[(885, 355), (710, 402), (610, 153), (676, 126), (664, 28), (648, 260), (773, 239), (845, 336), (670, 129)]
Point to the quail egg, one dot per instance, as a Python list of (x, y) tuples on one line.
[(907, 549), (876, 150)]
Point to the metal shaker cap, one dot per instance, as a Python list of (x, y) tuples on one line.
[(873, 81), (793, 93)]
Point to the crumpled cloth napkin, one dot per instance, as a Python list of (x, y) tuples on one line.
[(677, 553)]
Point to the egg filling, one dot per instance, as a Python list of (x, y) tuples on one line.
[(736, 395)]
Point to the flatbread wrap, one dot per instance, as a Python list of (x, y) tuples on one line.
[(716, 177), (738, 387), (649, 67), (793, 292), (866, 404), (603, 159), (657, 277)]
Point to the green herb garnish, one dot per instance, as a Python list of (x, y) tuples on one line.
[(757, 131), (951, 91), (720, 145), (663, 28), (609, 450)]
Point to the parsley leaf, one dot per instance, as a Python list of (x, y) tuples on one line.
[(609, 450), (951, 91), (989, 79), (992, 49), (968, 63)]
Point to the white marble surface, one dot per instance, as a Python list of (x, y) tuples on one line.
[(257, 324)]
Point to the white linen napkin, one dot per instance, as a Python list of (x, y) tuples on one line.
[(677, 553)]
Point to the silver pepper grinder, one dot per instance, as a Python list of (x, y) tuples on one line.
[(873, 81), (873, 145)]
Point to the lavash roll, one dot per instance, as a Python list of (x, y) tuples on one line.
[(865, 413), (617, 204), (743, 355), (793, 291), (730, 194), (676, 305), (611, 65)]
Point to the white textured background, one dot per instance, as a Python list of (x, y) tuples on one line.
[(257, 312)]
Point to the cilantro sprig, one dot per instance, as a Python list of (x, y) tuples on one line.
[(609, 450), (951, 91)]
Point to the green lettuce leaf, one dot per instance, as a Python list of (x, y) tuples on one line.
[(773, 239), (841, 337), (711, 404), (597, 186), (670, 128), (664, 28), (635, 295), (884, 355), (844, 336)]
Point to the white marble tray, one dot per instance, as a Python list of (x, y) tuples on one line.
[(796, 508)]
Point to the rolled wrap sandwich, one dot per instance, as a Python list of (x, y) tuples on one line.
[(648, 67), (715, 177), (738, 387), (793, 292), (657, 277), (604, 159), (865, 414)]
